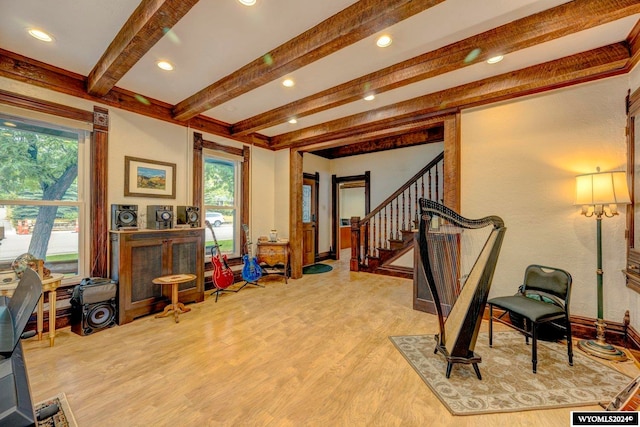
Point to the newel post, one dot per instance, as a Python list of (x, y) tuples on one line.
[(355, 244)]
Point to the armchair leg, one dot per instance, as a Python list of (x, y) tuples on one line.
[(534, 350), (475, 368), (569, 342), (490, 325)]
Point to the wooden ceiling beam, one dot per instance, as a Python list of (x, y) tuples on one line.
[(594, 64), (151, 20), (433, 121), (27, 70), (404, 140), (351, 25), (633, 39), (547, 25)]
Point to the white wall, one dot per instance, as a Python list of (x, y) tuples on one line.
[(352, 202), (280, 193), (263, 201), (389, 169), (519, 161)]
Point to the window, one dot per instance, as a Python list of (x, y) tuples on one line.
[(222, 201), (42, 200)]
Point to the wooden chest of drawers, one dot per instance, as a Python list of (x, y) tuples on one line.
[(275, 257)]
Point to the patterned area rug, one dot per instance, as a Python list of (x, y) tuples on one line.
[(62, 418), (508, 384)]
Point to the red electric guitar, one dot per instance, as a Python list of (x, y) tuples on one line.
[(222, 274)]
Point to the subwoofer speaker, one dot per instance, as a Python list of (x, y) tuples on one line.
[(124, 216), (95, 317), (189, 215), (94, 306)]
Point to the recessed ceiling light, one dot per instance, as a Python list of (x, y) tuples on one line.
[(369, 97), (384, 41), (248, 2), (495, 59), (165, 65), (288, 83), (40, 35), (293, 121)]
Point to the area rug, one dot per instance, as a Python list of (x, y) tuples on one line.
[(62, 418), (508, 383), (316, 268)]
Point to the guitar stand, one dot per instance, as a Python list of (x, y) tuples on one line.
[(218, 291), (251, 283)]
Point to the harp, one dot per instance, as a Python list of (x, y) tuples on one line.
[(459, 257)]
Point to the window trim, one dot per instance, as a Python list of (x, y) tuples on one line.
[(84, 183), (98, 119), (237, 201), (198, 191)]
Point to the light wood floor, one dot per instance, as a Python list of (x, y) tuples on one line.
[(314, 352)]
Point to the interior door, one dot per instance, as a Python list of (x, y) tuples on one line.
[(310, 218)]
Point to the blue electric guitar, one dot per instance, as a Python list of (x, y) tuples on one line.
[(251, 271)]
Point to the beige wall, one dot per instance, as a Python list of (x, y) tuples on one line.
[(519, 161)]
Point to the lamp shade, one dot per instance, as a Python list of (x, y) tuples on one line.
[(602, 188)]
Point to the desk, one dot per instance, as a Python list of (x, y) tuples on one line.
[(49, 285), (274, 255)]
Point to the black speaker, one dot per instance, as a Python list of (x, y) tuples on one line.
[(159, 217), (124, 216), (189, 215), (94, 306)]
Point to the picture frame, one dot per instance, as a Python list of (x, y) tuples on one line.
[(149, 178)]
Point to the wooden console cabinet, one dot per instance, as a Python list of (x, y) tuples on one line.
[(273, 257), (139, 256)]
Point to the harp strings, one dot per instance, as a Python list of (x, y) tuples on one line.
[(453, 252)]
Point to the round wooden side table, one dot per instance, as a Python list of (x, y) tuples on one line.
[(174, 280)]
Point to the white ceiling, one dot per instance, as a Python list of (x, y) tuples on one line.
[(217, 37)]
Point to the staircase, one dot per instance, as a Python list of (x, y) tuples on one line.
[(387, 232)]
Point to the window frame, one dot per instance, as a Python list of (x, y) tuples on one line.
[(237, 199), (83, 181), (198, 191)]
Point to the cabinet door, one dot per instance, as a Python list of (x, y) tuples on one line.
[(146, 265), (185, 260)]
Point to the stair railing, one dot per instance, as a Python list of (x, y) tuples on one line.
[(397, 215)]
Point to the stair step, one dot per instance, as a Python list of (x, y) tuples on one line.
[(396, 244), (396, 271)]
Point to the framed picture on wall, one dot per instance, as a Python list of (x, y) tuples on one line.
[(149, 178)]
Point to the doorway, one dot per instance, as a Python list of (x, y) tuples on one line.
[(351, 196), (310, 184)]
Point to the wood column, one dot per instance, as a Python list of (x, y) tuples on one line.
[(198, 193), (99, 211), (452, 161), (295, 212)]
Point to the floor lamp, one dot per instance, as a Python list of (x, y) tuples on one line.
[(599, 194)]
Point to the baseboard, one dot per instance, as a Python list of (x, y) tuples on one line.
[(323, 256), (616, 333)]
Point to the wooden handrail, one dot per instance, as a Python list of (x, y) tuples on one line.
[(400, 190), (360, 231)]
